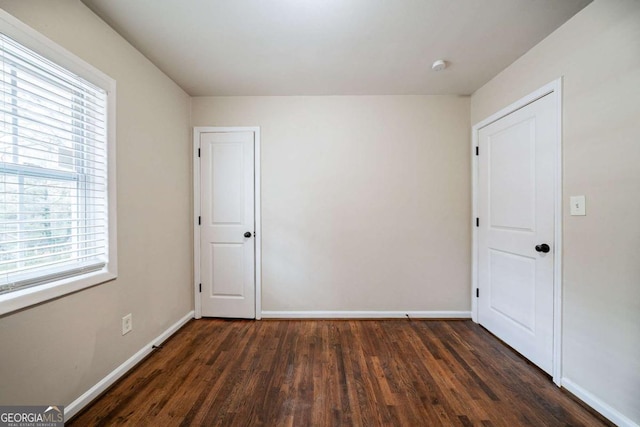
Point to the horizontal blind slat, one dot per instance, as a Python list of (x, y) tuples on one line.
[(52, 246), (70, 108), (53, 204), (30, 194), (48, 126), (42, 91), (54, 187), (101, 166), (21, 130), (63, 178), (48, 221), (37, 212), (44, 117), (31, 68), (15, 100), (49, 264), (36, 239), (59, 153), (47, 84), (40, 230), (32, 258), (54, 70)]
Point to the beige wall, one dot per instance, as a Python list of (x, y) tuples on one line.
[(598, 53), (56, 351), (365, 200)]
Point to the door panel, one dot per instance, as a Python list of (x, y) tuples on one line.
[(512, 183), (516, 194), (227, 167), (228, 270), (227, 263), (512, 279)]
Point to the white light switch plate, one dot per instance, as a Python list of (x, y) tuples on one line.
[(578, 205)]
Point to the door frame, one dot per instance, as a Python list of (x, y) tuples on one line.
[(197, 132), (554, 87)]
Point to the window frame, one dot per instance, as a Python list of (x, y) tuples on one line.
[(29, 296)]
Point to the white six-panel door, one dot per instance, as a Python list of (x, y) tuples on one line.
[(227, 241), (516, 184)]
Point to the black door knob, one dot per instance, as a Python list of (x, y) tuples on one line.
[(248, 234), (544, 248)]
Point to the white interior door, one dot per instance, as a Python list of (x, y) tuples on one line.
[(516, 185), (227, 243)]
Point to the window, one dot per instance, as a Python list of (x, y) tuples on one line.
[(56, 191)]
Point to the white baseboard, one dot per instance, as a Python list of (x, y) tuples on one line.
[(366, 314), (116, 374), (604, 409)]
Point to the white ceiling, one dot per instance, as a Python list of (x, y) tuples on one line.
[(333, 47)]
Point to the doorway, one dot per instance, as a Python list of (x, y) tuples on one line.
[(227, 232), (517, 226)]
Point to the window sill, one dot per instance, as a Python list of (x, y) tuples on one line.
[(24, 298)]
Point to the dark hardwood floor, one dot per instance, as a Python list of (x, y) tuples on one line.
[(331, 373)]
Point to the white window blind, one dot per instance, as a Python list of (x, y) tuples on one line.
[(53, 171)]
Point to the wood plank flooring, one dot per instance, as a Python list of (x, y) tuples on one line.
[(335, 373)]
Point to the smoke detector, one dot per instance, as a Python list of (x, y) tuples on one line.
[(439, 65)]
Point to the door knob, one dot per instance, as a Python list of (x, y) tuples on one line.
[(544, 248), (248, 234)]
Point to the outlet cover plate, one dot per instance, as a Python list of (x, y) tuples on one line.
[(578, 205)]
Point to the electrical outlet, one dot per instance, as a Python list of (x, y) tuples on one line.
[(127, 324)]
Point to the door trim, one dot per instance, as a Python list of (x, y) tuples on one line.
[(554, 87), (197, 131)]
